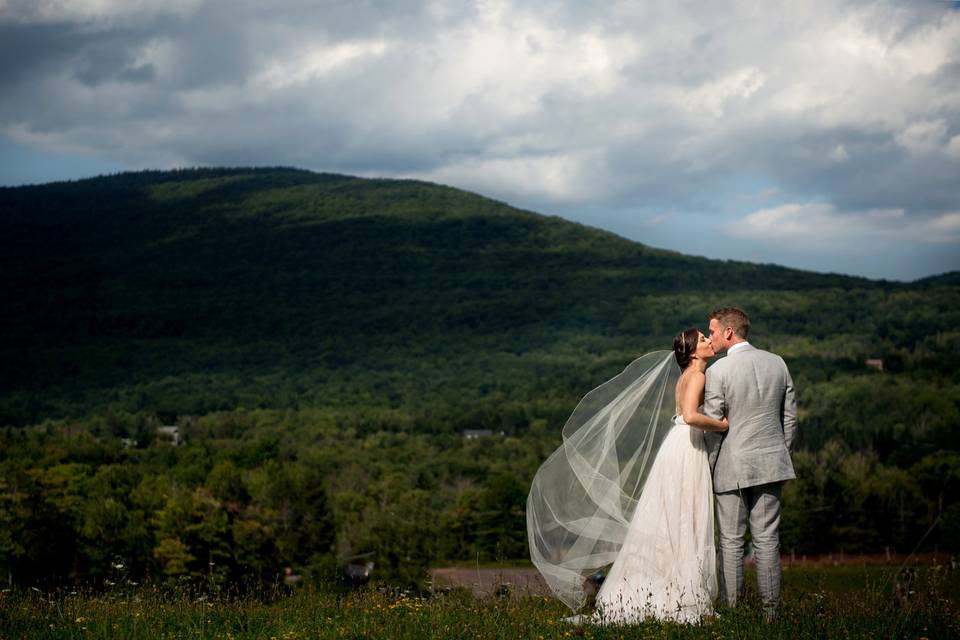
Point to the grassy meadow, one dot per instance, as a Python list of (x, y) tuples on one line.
[(818, 602)]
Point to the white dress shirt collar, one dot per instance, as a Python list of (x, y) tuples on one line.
[(738, 346)]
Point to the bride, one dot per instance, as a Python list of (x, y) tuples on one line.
[(632, 486)]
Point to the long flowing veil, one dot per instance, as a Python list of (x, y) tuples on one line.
[(584, 494)]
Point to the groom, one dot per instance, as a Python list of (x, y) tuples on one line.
[(752, 459)]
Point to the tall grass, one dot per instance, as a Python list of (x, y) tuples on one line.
[(832, 602)]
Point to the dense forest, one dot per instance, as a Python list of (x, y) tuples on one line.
[(372, 370)]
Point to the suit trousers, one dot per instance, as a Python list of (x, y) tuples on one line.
[(760, 506)]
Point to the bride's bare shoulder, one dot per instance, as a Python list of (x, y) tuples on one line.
[(690, 376)]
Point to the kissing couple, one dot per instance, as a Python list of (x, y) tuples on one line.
[(648, 458)]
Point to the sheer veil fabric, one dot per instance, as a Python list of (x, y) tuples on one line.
[(584, 495)]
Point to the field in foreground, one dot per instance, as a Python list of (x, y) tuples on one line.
[(834, 602)]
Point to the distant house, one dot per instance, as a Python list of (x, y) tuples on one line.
[(357, 573), (473, 434), (169, 433), (290, 578), (874, 363)]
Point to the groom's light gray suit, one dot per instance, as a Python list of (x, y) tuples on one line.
[(753, 388)]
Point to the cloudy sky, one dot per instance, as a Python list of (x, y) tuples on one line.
[(819, 134)]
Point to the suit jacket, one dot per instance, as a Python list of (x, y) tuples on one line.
[(753, 388)]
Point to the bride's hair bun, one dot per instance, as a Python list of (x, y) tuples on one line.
[(685, 346)]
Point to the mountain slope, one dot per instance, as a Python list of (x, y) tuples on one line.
[(195, 290), (193, 253)]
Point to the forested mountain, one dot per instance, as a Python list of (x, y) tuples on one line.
[(321, 341), (187, 291)]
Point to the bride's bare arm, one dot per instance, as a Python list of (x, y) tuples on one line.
[(691, 395)]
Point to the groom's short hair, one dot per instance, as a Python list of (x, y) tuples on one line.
[(734, 318)]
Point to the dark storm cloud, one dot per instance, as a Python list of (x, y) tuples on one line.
[(27, 51)]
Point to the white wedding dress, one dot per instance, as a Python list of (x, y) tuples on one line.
[(666, 568)]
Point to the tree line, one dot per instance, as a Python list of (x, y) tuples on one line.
[(249, 493)]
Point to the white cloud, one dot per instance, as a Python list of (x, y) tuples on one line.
[(953, 147), (559, 177), (823, 224), (923, 137), (839, 153), (712, 97), (313, 62), (947, 224)]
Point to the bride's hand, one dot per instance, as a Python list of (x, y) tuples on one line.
[(725, 422)]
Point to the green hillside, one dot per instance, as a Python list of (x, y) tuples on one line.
[(188, 291), (321, 341)]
